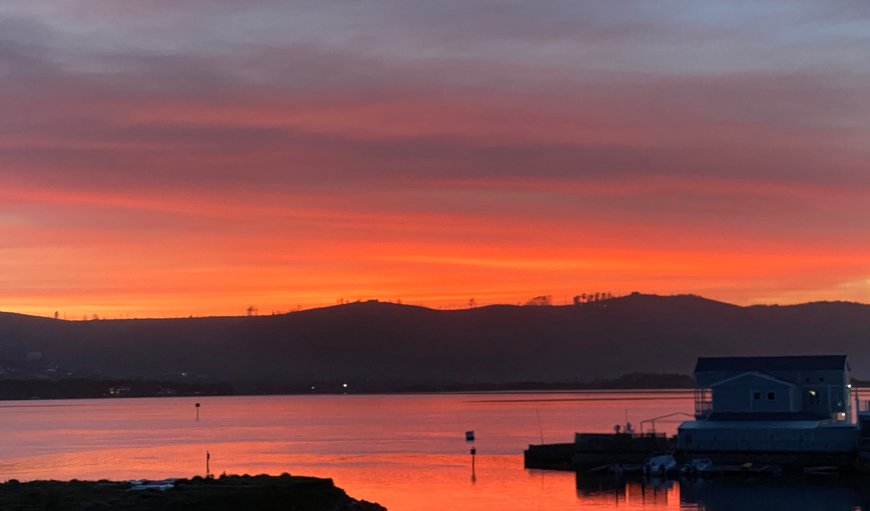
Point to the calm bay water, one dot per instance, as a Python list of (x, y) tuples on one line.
[(406, 452)]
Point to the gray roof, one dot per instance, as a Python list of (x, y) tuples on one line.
[(806, 363), (766, 416)]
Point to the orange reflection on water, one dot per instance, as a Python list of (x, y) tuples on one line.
[(404, 451)]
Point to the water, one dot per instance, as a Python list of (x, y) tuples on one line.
[(406, 452)]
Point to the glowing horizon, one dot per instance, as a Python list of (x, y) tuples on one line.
[(198, 159)]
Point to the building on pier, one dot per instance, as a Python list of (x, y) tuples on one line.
[(785, 410)]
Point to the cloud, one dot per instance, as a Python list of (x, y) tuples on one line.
[(424, 132)]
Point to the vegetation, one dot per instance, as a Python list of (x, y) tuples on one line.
[(257, 493)]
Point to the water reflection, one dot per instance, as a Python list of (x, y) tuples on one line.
[(407, 452), (773, 495), (628, 494), (723, 494)]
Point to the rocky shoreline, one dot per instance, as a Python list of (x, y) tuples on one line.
[(251, 493)]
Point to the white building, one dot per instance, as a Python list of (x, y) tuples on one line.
[(788, 410)]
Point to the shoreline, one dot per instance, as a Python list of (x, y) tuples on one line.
[(72, 387), (225, 492), (528, 392), (681, 392)]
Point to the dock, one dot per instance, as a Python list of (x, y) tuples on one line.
[(593, 450), (753, 415), (549, 456)]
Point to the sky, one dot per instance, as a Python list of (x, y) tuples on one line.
[(197, 157)]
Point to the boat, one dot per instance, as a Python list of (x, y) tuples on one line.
[(660, 465)]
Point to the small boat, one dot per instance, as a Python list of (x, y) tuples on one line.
[(617, 469), (660, 465), (697, 467)]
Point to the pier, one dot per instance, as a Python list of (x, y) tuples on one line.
[(752, 415), (591, 451)]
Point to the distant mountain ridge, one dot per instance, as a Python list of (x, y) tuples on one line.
[(387, 345)]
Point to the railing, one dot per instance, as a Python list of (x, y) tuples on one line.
[(671, 417), (650, 434), (703, 407), (703, 402)]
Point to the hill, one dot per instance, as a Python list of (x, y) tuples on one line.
[(377, 345)]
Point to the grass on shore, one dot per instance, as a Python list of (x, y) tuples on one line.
[(250, 493)]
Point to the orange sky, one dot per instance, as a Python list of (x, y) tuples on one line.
[(180, 161)]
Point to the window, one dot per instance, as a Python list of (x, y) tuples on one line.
[(756, 396), (771, 396)]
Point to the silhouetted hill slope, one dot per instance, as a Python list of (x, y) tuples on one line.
[(380, 344)]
